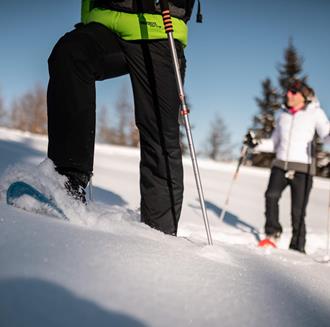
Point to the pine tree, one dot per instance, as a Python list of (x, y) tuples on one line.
[(291, 68), (264, 122)]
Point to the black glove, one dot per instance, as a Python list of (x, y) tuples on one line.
[(251, 140)]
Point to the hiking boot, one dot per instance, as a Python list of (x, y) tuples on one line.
[(76, 183), (299, 249), (274, 237)]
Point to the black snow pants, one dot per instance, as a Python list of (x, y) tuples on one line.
[(301, 186), (92, 53)]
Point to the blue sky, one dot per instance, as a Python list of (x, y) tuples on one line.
[(239, 44)]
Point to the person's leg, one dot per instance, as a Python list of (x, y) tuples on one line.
[(276, 185), (80, 57), (300, 189), (156, 112)]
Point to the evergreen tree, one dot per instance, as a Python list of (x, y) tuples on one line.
[(264, 122), (292, 66)]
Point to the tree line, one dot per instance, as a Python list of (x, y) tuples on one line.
[(27, 112), (116, 125)]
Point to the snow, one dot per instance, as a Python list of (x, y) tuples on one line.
[(105, 268)]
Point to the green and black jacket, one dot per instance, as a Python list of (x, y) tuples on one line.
[(136, 19)]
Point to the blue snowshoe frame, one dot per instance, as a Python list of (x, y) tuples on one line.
[(18, 189)]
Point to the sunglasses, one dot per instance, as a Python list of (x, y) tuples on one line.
[(293, 90)]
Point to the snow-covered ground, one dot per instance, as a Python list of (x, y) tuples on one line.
[(104, 268)]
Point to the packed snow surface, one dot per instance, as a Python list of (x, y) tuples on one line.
[(105, 268)]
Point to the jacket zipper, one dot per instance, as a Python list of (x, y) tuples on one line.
[(289, 144)]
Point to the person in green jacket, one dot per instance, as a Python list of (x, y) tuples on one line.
[(116, 38)]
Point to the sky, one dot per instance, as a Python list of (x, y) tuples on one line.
[(239, 44)]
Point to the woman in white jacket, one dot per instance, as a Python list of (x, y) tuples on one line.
[(294, 165)]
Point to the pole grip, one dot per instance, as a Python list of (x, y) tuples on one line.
[(167, 20)]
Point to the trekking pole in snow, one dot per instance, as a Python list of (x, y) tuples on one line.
[(326, 257), (242, 157), (90, 190), (184, 112)]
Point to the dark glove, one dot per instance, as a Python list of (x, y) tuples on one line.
[(251, 140)]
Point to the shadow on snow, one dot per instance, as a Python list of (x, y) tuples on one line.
[(34, 302), (233, 220)]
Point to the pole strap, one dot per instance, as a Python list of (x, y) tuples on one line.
[(199, 16)]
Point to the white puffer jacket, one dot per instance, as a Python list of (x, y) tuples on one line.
[(293, 134)]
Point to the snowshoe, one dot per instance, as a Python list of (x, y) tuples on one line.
[(17, 190)]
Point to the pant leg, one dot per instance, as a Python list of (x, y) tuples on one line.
[(156, 112), (276, 185), (89, 53), (300, 190)]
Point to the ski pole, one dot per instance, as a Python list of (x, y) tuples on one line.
[(90, 190), (184, 112), (243, 154), (327, 258)]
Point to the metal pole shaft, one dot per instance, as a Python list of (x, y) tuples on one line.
[(240, 161), (184, 112), (90, 190), (328, 227), (198, 179)]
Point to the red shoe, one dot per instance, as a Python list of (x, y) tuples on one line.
[(267, 243)]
